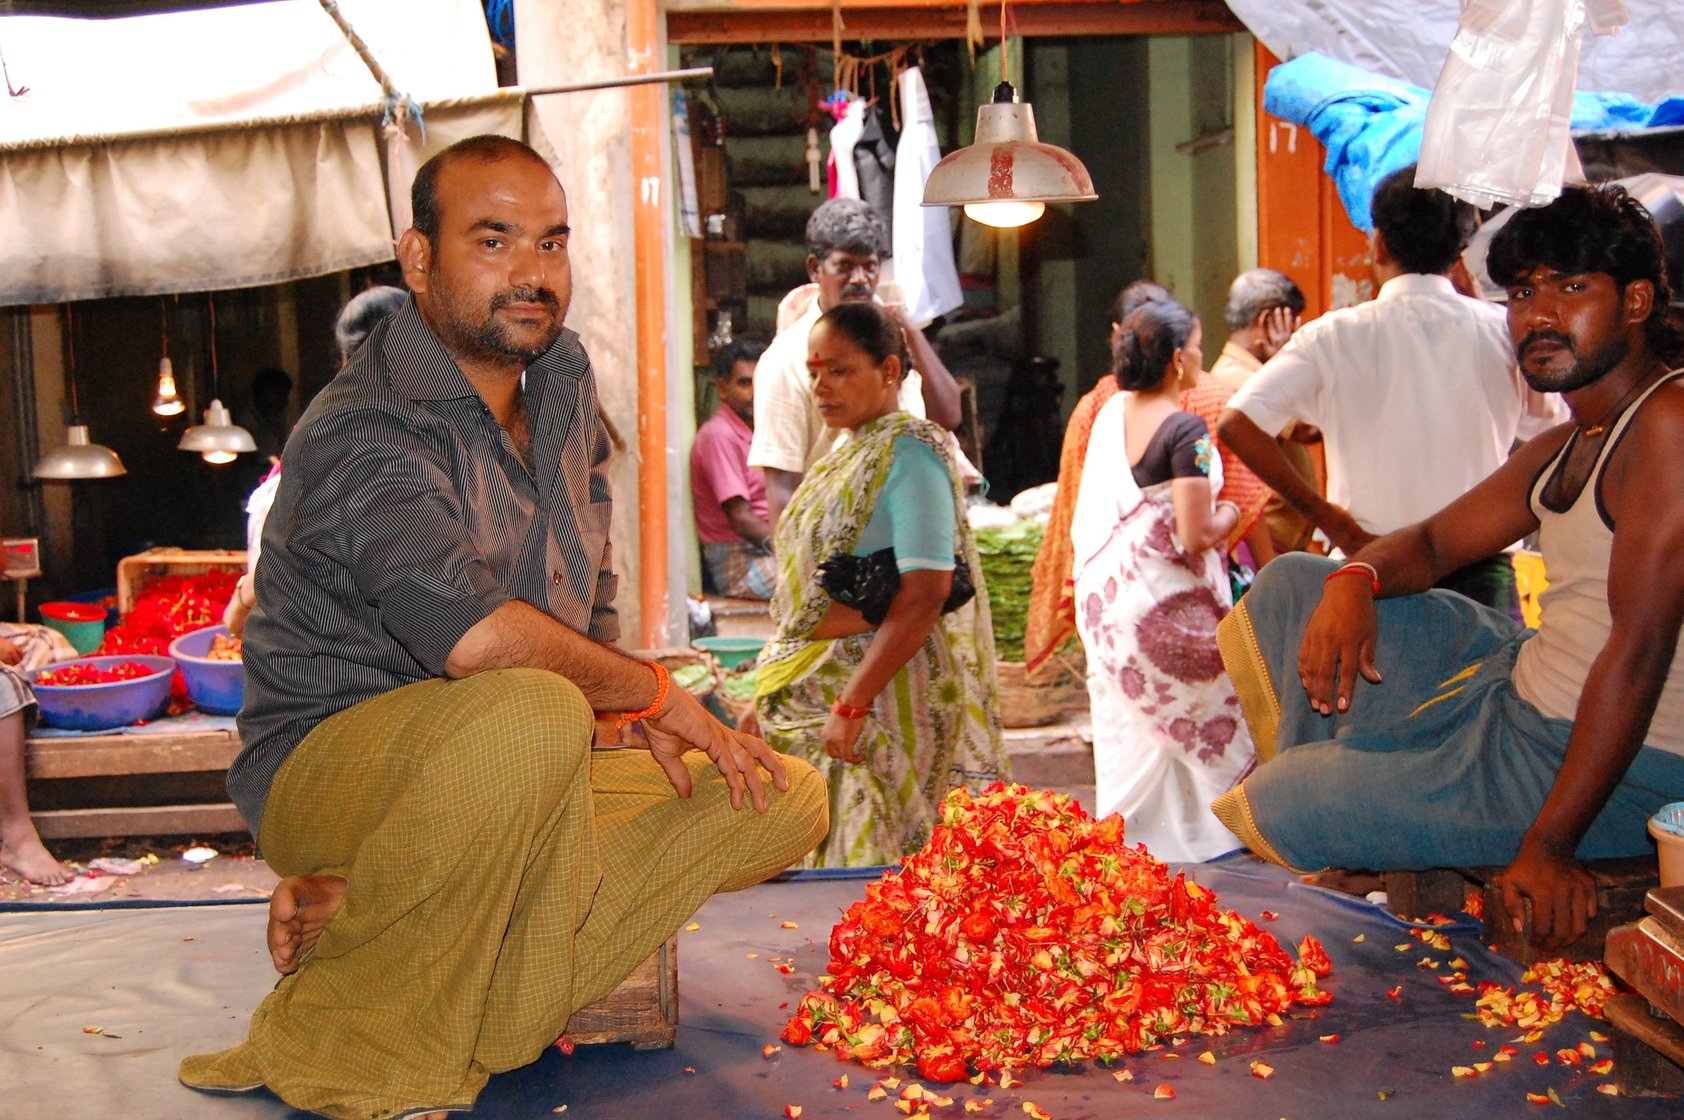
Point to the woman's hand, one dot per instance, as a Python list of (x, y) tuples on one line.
[(841, 738), (10, 654)]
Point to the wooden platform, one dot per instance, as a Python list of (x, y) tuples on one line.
[(150, 758)]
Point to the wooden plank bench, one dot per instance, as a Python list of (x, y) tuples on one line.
[(1620, 887), (208, 752)]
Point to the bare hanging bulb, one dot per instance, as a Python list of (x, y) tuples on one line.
[(167, 402)]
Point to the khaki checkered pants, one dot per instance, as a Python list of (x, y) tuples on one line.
[(492, 889)]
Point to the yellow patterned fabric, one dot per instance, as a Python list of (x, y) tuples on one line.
[(937, 723), (501, 875)]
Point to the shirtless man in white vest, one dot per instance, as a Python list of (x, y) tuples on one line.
[(1476, 742)]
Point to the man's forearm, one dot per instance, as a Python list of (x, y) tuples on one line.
[(1258, 450), (1612, 718), (780, 487), (941, 391), (518, 635), (745, 523)]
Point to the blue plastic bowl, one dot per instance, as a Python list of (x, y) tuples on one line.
[(217, 687), (100, 707)]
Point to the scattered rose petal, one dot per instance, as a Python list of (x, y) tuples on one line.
[(1208, 1058), (1386, 1094), (1608, 1088), (1269, 915), (1359, 939), (1598, 1036), (693, 926), (1395, 993), (1163, 1093), (565, 1045), (1463, 1071), (1262, 1070), (789, 925), (768, 1050), (877, 1093), (1330, 1039), (1124, 1075), (1537, 1098), (792, 1111), (689, 1069), (1035, 1111), (841, 1082)]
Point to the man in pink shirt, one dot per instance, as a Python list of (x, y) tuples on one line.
[(728, 495)]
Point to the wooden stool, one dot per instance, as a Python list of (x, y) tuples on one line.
[(643, 1010), (1620, 887)]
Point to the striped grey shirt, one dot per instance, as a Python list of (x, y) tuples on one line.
[(405, 516)]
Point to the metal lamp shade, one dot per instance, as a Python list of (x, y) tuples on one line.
[(1007, 173), (79, 457), (218, 435)]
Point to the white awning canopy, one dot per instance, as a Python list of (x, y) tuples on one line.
[(225, 147)]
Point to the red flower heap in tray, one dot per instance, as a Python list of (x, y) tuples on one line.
[(1026, 934), (169, 608)]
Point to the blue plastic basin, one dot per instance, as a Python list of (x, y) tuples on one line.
[(217, 687), (100, 707)]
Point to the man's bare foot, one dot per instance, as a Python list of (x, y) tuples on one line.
[(1346, 881), (30, 858), (299, 908)]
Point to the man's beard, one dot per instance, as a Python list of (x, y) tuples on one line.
[(1584, 370), (490, 338)]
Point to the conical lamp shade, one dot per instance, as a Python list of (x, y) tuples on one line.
[(1007, 176), (217, 436), (79, 457)]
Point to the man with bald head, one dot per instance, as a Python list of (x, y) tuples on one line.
[(430, 653)]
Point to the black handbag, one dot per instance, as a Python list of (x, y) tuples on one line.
[(869, 583)]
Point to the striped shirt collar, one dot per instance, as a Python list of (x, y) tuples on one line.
[(422, 369)]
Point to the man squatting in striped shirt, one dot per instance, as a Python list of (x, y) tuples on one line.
[(429, 655)]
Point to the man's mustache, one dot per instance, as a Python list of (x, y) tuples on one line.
[(858, 292), (525, 295), (1544, 336)]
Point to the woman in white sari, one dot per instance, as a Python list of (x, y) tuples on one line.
[(1150, 589)]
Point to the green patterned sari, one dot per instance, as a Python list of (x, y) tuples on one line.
[(936, 724)]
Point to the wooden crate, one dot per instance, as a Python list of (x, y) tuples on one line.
[(136, 573), (643, 1010)]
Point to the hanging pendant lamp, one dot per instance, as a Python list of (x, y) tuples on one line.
[(78, 457), (1005, 177), (167, 402), (218, 439)]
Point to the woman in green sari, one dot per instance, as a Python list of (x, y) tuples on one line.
[(892, 698)]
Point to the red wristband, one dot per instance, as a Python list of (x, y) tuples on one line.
[(1356, 568), (848, 711), (663, 681)]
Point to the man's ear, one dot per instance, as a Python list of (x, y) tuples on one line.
[(812, 268), (1639, 301), (415, 256), (1377, 248)]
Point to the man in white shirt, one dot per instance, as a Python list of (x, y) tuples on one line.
[(1416, 392), (844, 244)]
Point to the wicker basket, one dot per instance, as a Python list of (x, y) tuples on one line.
[(1023, 704)]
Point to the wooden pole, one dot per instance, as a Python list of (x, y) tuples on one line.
[(643, 44)]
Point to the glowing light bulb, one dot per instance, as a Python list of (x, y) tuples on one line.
[(168, 401), (1004, 215), (219, 457)]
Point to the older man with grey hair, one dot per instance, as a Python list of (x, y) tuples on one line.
[(1264, 307), (845, 239)]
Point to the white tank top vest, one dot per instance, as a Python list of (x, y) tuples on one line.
[(1574, 622)]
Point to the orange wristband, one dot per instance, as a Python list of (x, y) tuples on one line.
[(663, 682), (848, 711)]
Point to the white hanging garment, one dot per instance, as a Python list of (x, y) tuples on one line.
[(843, 136), (1498, 126), (923, 235)]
